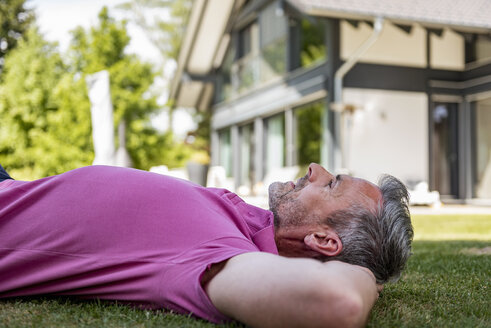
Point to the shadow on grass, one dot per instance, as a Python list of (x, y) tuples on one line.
[(446, 284)]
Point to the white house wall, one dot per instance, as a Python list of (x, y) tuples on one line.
[(393, 47), (447, 50), (389, 134)]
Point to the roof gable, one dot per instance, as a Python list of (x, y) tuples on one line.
[(464, 15)]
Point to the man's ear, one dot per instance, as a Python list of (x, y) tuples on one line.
[(326, 242)]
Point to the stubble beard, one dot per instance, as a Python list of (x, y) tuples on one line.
[(287, 209)]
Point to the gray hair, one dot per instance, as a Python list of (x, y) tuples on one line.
[(380, 240)]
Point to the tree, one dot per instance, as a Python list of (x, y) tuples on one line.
[(166, 34), (44, 110), (102, 47), (165, 29), (15, 20)]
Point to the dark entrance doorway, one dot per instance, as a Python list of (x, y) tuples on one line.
[(445, 150)]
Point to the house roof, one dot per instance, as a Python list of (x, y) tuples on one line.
[(206, 36), (471, 15), (201, 47)]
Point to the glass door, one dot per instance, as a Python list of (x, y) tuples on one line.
[(482, 148), (445, 150)]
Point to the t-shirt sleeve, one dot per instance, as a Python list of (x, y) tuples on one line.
[(181, 286)]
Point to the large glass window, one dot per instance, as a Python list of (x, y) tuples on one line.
[(483, 47), (224, 80), (478, 48), (247, 70), (445, 151), (313, 42), (273, 32), (245, 41), (261, 49), (275, 142), (308, 134), (482, 185), (246, 155), (225, 155)]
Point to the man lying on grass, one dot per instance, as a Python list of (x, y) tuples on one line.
[(121, 234)]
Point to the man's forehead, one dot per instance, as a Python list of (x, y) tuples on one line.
[(370, 192)]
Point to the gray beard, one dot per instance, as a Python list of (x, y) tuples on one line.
[(287, 211)]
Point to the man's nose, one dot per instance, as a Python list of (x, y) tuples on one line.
[(318, 173)]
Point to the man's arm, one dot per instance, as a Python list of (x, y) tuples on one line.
[(266, 290)]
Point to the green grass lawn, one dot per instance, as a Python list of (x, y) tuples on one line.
[(447, 284)]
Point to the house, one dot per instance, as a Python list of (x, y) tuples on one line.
[(364, 87)]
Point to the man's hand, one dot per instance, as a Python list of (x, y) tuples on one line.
[(265, 290), (380, 287)]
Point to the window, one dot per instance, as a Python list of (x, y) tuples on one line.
[(308, 134), (246, 67), (224, 80), (482, 176), (245, 41), (313, 42), (261, 50), (445, 150), (275, 142), (478, 48), (246, 155), (273, 33), (483, 47)]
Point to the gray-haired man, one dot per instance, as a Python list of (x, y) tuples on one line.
[(134, 236)]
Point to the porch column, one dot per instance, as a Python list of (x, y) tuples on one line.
[(215, 148), (330, 143), (235, 142), (259, 153), (289, 138), (467, 126)]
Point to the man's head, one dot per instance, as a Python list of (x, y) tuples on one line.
[(344, 218)]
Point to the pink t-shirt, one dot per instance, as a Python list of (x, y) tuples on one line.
[(123, 234)]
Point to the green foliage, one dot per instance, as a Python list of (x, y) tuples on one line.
[(274, 57), (148, 148), (45, 110), (15, 20), (309, 133), (200, 144), (43, 131), (166, 34), (446, 284), (102, 47), (462, 227), (70, 313), (313, 43)]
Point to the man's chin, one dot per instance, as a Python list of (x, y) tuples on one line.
[(275, 187), (274, 193)]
